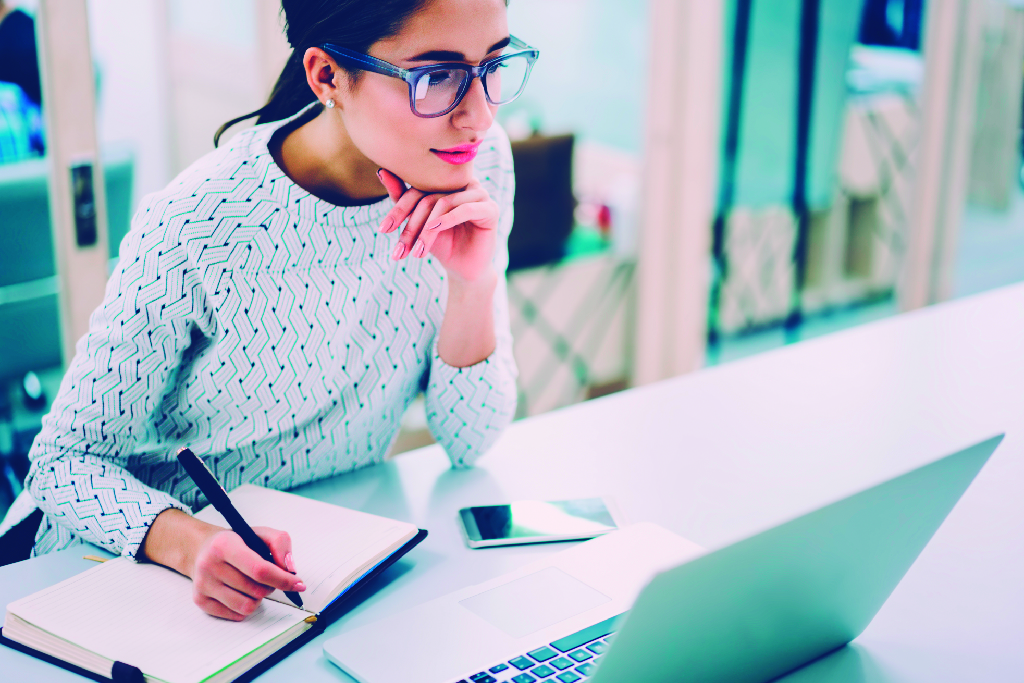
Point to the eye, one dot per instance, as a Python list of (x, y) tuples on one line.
[(439, 78)]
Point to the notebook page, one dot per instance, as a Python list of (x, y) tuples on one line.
[(143, 614), (329, 542)]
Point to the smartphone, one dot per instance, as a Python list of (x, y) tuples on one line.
[(535, 521)]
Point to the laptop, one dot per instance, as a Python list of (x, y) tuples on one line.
[(643, 604)]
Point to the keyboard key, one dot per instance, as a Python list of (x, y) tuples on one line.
[(543, 654), (483, 677), (561, 663), (523, 678), (586, 635), (542, 671), (598, 647), (499, 667), (587, 668), (521, 663), (580, 655), (568, 677)]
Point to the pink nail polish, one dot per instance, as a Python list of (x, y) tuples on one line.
[(289, 563), (300, 586), (399, 251), (418, 249), (386, 225)]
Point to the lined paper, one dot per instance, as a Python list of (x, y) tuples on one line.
[(143, 615), (331, 545)]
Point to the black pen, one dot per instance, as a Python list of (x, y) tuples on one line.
[(218, 498)]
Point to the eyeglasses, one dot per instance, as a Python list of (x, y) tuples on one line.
[(436, 89)]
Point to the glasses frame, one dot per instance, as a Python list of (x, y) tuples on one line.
[(358, 60)]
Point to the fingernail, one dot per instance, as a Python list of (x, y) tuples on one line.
[(386, 225), (300, 586), (378, 174), (289, 563), (399, 250), (434, 226), (418, 249)]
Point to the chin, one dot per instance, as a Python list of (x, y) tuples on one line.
[(446, 178)]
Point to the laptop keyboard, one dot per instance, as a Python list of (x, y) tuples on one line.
[(566, 660)]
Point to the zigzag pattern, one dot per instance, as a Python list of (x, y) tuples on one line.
[(269, 331)]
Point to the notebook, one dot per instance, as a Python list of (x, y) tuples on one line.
[(142, 615)]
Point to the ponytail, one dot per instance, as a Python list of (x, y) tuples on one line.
[(355, 24)]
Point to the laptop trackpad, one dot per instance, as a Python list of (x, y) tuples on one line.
[(534, 602)]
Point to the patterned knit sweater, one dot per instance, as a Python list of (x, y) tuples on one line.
[(269, 331)]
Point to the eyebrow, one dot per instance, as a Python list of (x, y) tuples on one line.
[(451, 56)]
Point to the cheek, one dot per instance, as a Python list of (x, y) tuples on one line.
[(386, 131)]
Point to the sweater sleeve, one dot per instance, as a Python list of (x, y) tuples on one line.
[(105, 407), (468, 408)]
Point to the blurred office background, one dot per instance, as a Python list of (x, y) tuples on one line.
[(698, 180)]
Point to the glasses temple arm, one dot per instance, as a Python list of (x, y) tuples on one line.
[(365, 62)]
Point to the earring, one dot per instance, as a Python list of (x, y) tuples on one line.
[(329, 104)]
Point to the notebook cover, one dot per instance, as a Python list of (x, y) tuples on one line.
[(331, 613)]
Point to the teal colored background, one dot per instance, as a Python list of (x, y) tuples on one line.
[(591, 78), (764, 174)]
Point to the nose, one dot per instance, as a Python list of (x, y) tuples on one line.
[(474, 111)]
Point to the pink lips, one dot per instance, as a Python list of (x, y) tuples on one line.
[(461, 154)]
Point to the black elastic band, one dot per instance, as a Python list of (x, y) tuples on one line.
[(126, 673)]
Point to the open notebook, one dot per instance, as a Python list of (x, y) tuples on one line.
[(143, 614)]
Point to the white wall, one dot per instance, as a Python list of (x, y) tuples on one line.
[(129, 48)]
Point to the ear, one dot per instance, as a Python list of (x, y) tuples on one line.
[(321, 70)]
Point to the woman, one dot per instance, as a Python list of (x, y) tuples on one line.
[(270, 312)]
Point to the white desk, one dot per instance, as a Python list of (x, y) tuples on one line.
[(722, 453)]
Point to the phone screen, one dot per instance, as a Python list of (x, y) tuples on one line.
[(541, 519)]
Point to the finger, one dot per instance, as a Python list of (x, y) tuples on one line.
[(216, 609), (415, 226), (481, 214), (280, 544), (259, 570), (392, 183), (235, 579), (446, 204), (401, 210), (449, 202), (238, 603)]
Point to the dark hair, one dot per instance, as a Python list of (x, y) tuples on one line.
[(355, 24)]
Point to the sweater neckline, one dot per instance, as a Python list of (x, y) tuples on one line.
[(295, 199)]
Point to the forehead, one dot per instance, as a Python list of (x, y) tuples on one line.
[(470, 27)]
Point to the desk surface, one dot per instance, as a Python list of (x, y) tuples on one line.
[(725, 452)]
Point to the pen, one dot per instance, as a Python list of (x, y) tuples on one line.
[(218, 498)]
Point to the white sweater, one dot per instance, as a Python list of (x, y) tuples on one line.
[(269, 331)]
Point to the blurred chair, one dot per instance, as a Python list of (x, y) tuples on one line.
[(29, 293), (786, 89), (544, 202), (28, 284)]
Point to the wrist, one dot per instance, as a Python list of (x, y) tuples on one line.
[(174, 540), (483, 285)]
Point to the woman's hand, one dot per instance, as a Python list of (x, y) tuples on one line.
[(460, 228), (228, 579)]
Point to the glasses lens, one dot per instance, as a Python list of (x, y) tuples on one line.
[(435, 91), (505, 79)]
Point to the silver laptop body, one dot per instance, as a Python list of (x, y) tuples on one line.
[(751, 611)]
